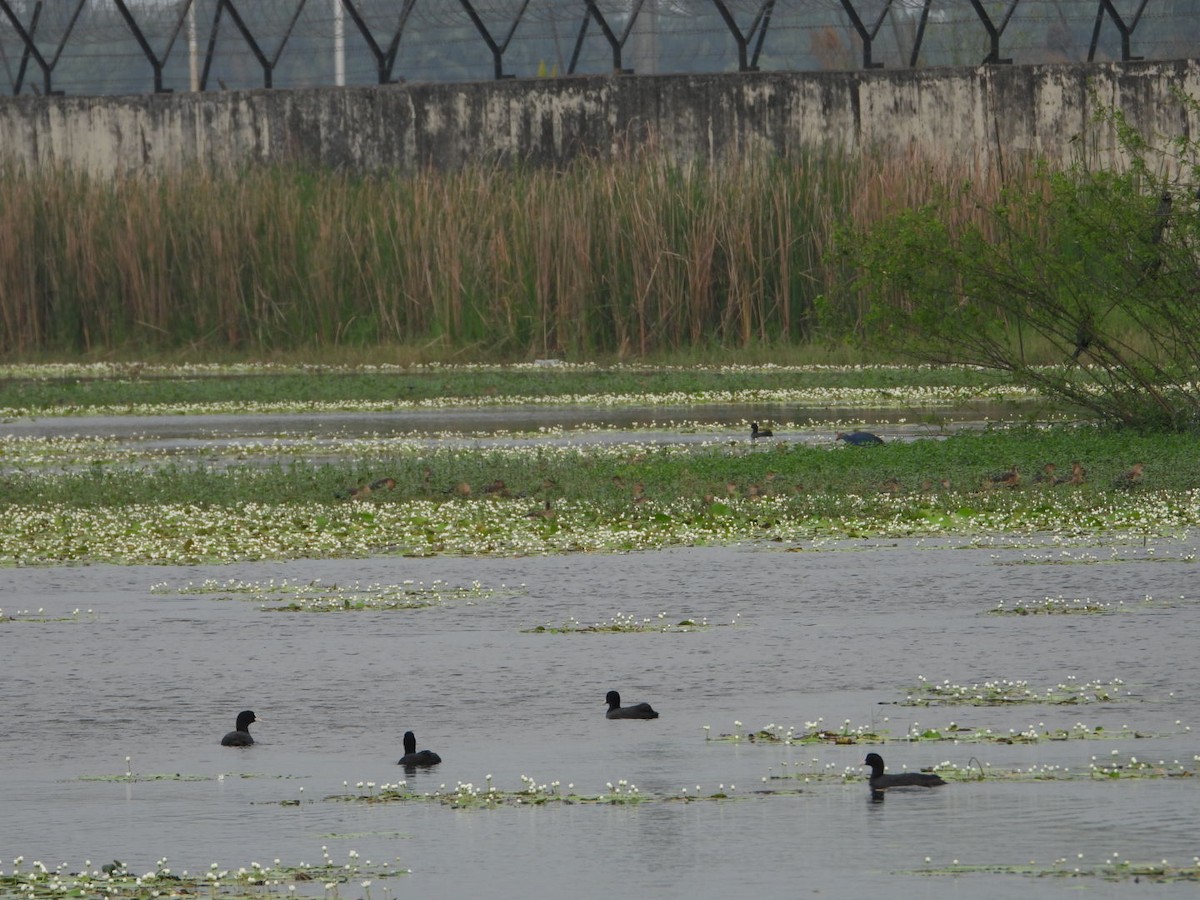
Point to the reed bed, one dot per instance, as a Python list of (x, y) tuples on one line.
[(633, 257)]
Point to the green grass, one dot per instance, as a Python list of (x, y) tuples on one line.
[(85, 499), (823, 478), (602, 497)]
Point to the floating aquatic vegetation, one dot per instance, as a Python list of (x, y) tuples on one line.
[(182, 533), (40, 616), (139, 777), (1112, 869), (811, 733), (319, 596), (818, 733), (1090, 557), (1030, 734), (1060, 605), (813, 771), (467, 795), (622, 624), (23, 451), (1114, 767), (131, 776), (117, 879), (1002, 692)]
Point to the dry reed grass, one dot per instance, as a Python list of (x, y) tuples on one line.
[(631, 258)]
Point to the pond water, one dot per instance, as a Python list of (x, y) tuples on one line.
[(711, 420), (835, 633)]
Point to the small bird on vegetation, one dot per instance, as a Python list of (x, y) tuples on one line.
[(1046, 476), (354, 493), (756, 432), (546, 512), (383, 484), (462, 489), (881, 782), (240, 736), (412, 758), (1131, 477), (892, 486), (497, 488), (858, 438), (1078, 474), (637, 711), (1010, 478)]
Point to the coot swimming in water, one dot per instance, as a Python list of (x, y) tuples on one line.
[(756, 432), (881, 782), (637, 711), (240, 736), (412, 758), (1130, 478)]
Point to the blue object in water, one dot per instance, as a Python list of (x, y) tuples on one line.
[(858, 438)]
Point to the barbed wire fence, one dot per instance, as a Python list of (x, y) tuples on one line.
[(136, 46)]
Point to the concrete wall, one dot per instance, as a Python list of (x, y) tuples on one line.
[(991, 112)]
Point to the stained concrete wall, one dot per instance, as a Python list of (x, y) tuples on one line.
[(991, 113)]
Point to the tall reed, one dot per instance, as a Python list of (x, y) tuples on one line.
[(633, 257)]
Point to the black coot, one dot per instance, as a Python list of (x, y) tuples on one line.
[(637, 711), (412, 758), (240, 736), (881, 782)]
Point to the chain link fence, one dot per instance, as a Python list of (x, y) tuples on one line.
[(137, 46)]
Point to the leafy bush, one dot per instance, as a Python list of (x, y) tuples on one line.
[(1100, 267)]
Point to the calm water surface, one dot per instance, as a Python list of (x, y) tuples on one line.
[(836, 633), (187, 431)]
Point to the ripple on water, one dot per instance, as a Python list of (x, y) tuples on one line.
[(823, 636)]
